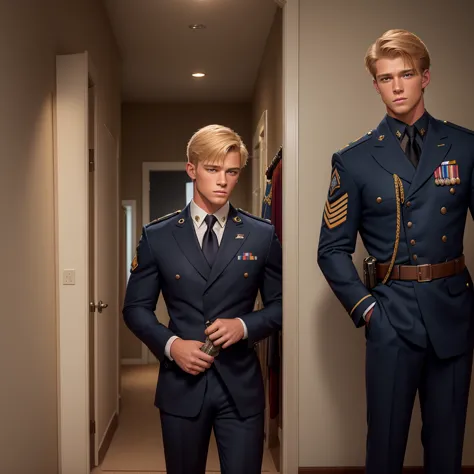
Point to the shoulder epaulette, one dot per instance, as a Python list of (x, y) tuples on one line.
[(458, 127), (163, 218), (267, 221), (360, 140)]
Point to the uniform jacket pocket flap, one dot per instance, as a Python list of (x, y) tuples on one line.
[(457, 284)]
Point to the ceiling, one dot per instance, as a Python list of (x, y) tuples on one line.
[(160, 52)]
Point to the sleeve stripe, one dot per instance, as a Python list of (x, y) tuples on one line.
[(358, 303)]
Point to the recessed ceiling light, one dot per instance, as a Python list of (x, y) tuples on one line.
[(198, 74), (197, 27)]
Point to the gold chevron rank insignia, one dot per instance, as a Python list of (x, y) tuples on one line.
[(335, 213)]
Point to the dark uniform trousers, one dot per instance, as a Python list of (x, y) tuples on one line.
[(420, 335), (239, 440), (395, 370), (229, 397)]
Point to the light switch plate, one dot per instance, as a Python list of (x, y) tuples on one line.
[(69, 277)]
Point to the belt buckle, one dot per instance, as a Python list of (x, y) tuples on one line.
[(419, 273)]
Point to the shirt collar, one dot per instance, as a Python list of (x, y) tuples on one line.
[(198, 215), (398, 127)]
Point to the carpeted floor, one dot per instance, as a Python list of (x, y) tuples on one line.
[(138, 445)]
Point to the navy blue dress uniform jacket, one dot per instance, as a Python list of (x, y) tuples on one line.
[(362, 198), (169, 259)]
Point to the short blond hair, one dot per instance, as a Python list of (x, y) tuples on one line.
[(398, 43), (212, 143)]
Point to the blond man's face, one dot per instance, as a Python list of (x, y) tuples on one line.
[(214, 182), (400, 86)]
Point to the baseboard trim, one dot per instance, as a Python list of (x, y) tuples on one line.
[(131, 361), (108, 438), (360, 470)]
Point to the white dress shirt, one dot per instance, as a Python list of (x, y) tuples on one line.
[(198, 215), (367, 310)]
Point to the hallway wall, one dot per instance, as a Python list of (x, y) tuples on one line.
[(31, 34), (268, 93)]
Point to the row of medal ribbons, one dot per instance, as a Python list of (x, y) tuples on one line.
[(447, 174)]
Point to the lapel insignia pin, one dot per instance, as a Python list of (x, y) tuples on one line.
[(239, 236), (196, 218), (247, 256), (237, 219), (398, 134), (381, 137), (181, 221), (447, 174), (422, 132)]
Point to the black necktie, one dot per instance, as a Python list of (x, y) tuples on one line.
[(412, 150), (209, 242)]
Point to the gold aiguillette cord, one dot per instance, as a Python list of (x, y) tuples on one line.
[(400, 197)]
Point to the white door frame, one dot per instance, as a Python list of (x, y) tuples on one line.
[(147, 166), (72, 246), (132, 204), (290, 215)]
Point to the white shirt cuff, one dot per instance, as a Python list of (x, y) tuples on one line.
[(246, 334), (168, 346), (367, 310)]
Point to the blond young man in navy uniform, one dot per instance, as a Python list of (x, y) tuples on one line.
[(209, 261), (406, 187)]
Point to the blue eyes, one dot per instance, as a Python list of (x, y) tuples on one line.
[(405, 76), (214, 170)]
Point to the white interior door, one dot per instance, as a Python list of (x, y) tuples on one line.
[(107, 313), (87, 266)]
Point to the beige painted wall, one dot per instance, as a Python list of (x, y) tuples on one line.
[(268, 87), (268, 95), (31, 34), (337, 104), (160, 132)]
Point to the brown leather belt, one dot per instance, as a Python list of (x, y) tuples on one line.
[(422, 273)]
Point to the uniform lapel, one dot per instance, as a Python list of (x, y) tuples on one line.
[(389, 154), (229, 246), (186, 238), (434, 152)]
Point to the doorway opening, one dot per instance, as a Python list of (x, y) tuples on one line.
[(158, 130), (166, 188), (130, 212)]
